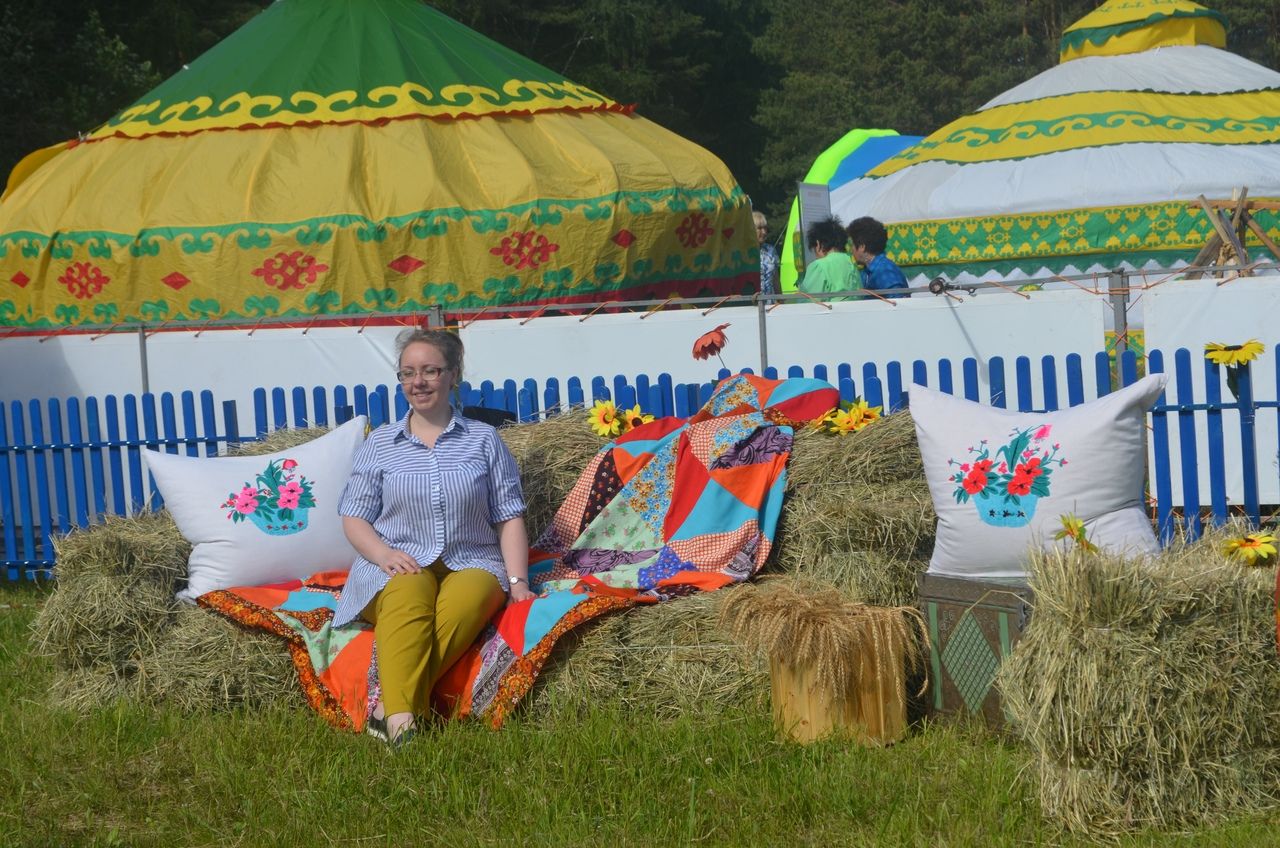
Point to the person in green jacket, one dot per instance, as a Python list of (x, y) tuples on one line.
[(833, 270)]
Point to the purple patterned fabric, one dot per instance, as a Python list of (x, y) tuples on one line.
[(762, 445), (591, 560)]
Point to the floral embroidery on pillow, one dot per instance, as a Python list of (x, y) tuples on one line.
[(277, 504), (1006, 485)]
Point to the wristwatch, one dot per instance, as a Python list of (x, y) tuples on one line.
[(514, 580)]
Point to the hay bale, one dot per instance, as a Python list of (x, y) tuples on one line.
[(1149, 690), (208, 663), (668, 660), (865, 576), (277, 440), (146, 546), (858, 511), (103, 621), (84, 690), (551, 455)]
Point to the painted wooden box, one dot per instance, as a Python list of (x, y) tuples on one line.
[(973, 625)]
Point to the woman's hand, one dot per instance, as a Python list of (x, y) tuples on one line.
[(395, 562), (521, 592)]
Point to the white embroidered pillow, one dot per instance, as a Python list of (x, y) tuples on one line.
[(1001, 481), (254, 520)]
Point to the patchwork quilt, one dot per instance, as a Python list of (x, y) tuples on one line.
[(670, 508)]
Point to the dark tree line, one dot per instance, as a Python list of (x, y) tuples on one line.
[(764, 84)]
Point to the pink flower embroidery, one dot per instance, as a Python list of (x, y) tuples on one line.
[(964, 467), (289, 464), (1043, 432), (289, 494), (247, 501)]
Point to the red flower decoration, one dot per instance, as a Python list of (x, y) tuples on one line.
[(290, 270), (83, 279), (975, 482), (1030, 469), (1020, 484), (694, 230), (524, 250), (710, 344)]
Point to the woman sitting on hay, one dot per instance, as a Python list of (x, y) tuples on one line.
[(435, 510)]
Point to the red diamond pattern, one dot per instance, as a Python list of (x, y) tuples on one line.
[(727, 232), (20, 280), (405, 264), (624, 238), (176, 280)]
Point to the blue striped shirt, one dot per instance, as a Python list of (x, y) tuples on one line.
[(431, 503)]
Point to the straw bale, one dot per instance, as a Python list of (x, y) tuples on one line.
[(83, 690), (277, 440), (146, 546), (209, 663), (668, 660), (858, 512), (98, 620), (864, 576), (551, 455), (1149, 691)]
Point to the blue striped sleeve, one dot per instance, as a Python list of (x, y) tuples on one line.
[(362, 498), (506, 498)]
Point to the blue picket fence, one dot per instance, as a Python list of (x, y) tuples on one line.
[(68, 463)]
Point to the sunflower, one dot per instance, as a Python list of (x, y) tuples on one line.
[(850, 417), (634, 417), (840, 421), (1073, 529), (604, 419), (1253, 548), (1238, 354), (865, 412)]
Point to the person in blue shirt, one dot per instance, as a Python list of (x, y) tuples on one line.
[(868, 238)]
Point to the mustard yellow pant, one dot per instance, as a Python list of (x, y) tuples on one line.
[(422, 623)]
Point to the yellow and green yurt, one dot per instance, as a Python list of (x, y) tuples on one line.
[(1093, 164), (352, 157)]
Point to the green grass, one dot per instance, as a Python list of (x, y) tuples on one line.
[(131, 775)]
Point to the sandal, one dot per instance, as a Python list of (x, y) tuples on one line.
[(377, 728), (403, 738)]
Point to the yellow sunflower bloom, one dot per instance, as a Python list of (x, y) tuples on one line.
[(840, 422), (864, 412), (1253, 548), (1073, 529), (1239, 354), (634, 417), (604, 419)]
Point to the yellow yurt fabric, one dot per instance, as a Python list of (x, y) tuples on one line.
[(1131, 26), (343, 157)]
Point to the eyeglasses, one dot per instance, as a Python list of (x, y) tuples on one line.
[(430, 373)]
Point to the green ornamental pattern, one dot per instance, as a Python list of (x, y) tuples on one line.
[(1161, 232)]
